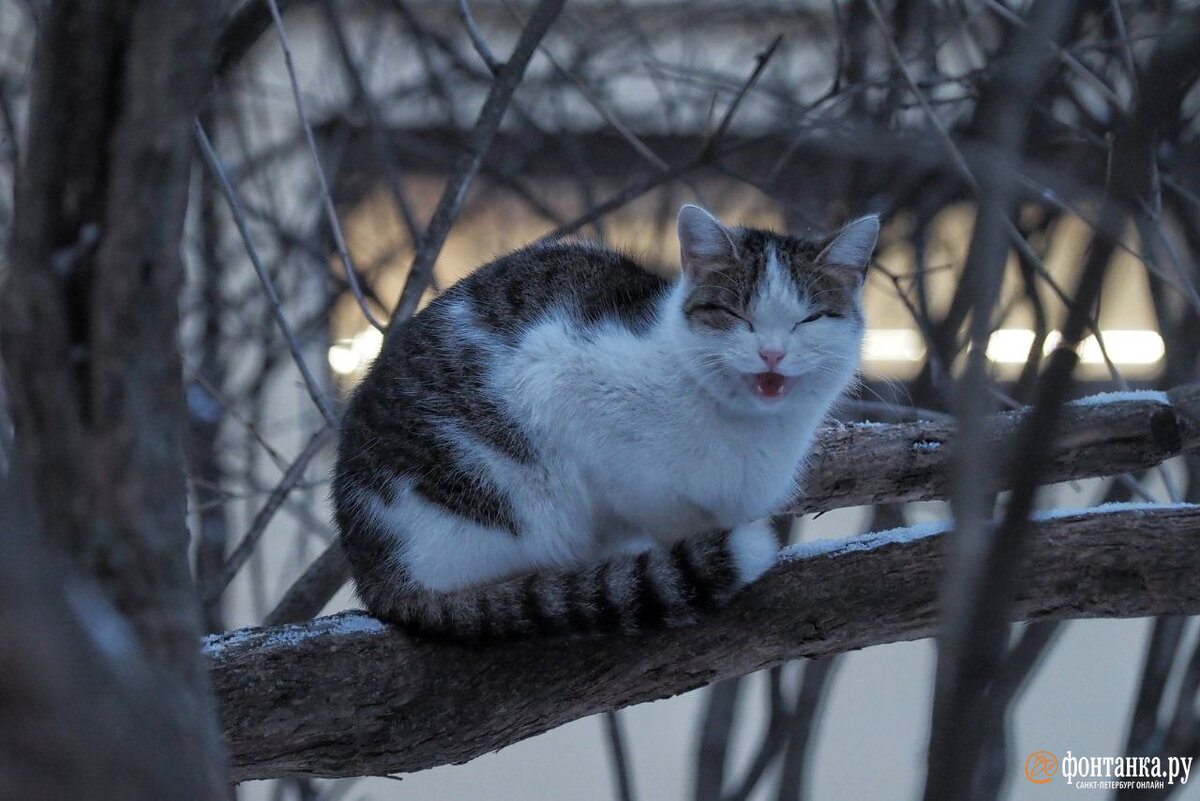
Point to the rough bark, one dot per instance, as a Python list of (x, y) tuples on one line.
[(85, 714), (860, 464), (89, 319), (90, 309), (345, 695), (856, 464)]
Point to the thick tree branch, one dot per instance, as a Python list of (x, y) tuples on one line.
[(346, 695), (857, 464), (872, 463)]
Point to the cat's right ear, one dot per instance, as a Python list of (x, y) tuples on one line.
[(853, 245), (704, 244)]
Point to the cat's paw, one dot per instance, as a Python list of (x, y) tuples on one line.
[(754, 550)]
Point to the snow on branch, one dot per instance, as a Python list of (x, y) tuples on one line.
[(347, 695), (1102, 435)]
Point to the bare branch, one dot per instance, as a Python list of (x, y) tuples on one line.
[(347, 695), (327, 199), (239, 219), (309, 593), (476, 36), (857, 464), (761, 61), (291, 478), (619, 754), (488, 122)]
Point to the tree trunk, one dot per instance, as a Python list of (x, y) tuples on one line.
[(89, 319)]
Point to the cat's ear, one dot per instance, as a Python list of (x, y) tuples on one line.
[(704, 243), (852, 246)]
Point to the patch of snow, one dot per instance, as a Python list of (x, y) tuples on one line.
[(868, 424), (1120, 397), (356, 623), (286, 636), (863, 542), (1111, 509), (894, 536), (926, 446)]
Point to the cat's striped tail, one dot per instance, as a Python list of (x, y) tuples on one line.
[(668, 585)]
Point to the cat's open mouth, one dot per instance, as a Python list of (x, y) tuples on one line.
[(770, 386)]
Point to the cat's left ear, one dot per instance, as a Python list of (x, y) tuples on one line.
[(852, 246), (704, 244)]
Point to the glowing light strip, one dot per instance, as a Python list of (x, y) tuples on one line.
[(1011, 346), (1006, 346)]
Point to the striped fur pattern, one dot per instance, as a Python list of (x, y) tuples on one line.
[(568, 442), (671, 585)]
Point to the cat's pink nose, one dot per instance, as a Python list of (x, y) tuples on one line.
[(772, 358)]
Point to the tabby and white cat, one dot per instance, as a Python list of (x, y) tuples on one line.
[(565, 441)]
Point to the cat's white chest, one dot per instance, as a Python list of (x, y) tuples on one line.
[(698, 470), (629, 436)]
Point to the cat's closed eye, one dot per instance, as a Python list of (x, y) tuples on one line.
[(817, 315), (812, 318), (717, 308)]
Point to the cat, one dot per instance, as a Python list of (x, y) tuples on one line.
[(565, 441)]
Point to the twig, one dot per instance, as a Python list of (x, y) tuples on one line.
[(635, 190), (1126, 51), (476, 36), (293, 476), (619, 754), (609, 116), (1156, 667), (1182, 727), (308, 594), (762, 59), (805, 714), (773, 740), (1072, 63), (239, 219), (898, 59), (392, 176), (227, 408), (326, 198), (959, 161), (713, 747), (486, 124)]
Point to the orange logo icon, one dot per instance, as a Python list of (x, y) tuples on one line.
[(1041, 767)]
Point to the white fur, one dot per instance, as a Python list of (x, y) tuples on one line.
[(651, 436), (755, 550)]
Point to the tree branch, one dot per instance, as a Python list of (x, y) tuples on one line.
[(347, 695), (870, 463), (507, 79), (857, 464)]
